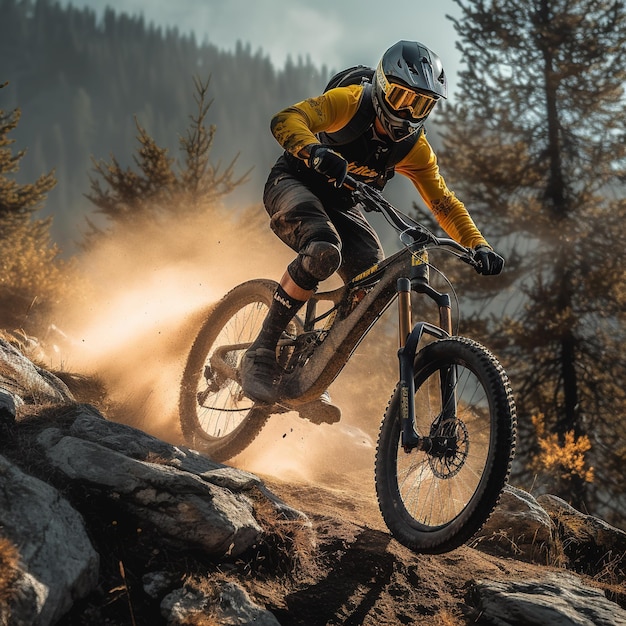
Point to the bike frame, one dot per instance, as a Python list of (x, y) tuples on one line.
[(316, 355), (435, 488), (357, 306)]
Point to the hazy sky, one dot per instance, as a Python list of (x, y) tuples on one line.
[(332, 32)]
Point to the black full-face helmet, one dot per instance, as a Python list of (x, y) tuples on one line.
[(408, 82)]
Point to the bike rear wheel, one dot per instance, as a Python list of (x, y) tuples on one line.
[(215, 417), (434, 501)]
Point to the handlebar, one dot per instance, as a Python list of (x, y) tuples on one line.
[(372, 200)]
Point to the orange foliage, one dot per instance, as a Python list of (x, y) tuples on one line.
[(9, 572), (567, 458)]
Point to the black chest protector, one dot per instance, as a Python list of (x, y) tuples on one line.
[(372, 159)]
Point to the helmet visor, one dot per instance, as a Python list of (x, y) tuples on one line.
[(402, 99)]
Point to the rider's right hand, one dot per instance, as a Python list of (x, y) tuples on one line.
[(327, 162)]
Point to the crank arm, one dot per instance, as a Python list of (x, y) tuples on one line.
[(220, 367)]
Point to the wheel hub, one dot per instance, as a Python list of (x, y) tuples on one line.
[(449, 447)]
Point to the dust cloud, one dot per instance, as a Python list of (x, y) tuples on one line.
[(149, 289)]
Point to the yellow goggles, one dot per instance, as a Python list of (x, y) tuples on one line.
[(402, 98)]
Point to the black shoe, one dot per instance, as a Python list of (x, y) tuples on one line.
[(260, 374), (321, 411)]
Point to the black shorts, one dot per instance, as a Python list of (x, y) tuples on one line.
[(303, 210)]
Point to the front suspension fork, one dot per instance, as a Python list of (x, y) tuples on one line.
[(409, 337)]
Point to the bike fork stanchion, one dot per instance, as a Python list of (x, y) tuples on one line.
[(448, 375), (404, 310)]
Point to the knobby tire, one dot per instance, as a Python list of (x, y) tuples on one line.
[(434, 504)]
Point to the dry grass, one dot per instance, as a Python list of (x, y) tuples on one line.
[(576, 552), (287, 546), (157, 459), (209, 589), (18, 339), (613, 571), (86, 389), (503, 543), (9, 572), (446, 617)]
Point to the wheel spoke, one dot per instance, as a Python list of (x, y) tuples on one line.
[(437, 497)]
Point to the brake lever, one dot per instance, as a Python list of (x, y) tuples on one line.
[(470, 258)]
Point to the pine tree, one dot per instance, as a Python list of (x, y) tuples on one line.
[(200, 181), (158, 189), (30, 269), (17, 202), (538, 148)]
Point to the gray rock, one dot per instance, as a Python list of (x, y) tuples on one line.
[(24, 607), (9, 404), (184, 507), (195, 502), (91, 426), (233, 607), (158, 584), (180, 606), (518, 527), (58, 561), (34, 385), (559, 599)]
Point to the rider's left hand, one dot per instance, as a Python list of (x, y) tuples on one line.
[(488, 262)]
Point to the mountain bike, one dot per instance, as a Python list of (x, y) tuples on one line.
[(447, 438)]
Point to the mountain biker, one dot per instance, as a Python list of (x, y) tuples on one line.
[(314, 215)]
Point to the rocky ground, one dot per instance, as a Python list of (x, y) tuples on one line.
[(141, 499)]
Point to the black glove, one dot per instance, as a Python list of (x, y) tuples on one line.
[(327, 162), (488, 262)]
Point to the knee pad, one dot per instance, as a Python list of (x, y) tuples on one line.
[(320, 259), (316, 261)]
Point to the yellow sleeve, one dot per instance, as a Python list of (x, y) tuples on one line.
[(294, 127), (420, 166)]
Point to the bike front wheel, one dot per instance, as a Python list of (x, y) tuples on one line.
[(215, 416), (436, 496)]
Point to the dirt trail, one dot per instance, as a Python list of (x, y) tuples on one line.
[(365, 577)]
